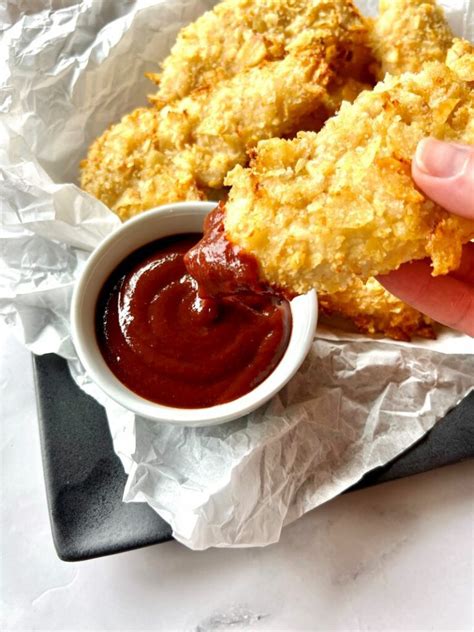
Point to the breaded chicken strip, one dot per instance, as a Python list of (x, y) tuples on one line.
[(156, 156), (129, 172), (325, 209), (407, 34), (374, 310), (229, 120), (240, 34)]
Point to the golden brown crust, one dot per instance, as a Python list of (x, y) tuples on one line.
[(409, 33), (241, 34), (130, 173), (370, 307), (323, 209)]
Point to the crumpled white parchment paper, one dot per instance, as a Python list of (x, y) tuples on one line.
[(69, 69)]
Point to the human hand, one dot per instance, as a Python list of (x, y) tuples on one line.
[(445, 172)]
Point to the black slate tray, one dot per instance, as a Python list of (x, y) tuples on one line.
[(85, 480)]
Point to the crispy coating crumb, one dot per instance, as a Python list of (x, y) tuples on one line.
[(374, 310), (460, 59), (240, 34), (408, 33), (324, 209)]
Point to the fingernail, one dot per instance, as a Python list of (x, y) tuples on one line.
[(442, 160)]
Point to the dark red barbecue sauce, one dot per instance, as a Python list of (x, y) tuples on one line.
[(175, 347), (222, 268)]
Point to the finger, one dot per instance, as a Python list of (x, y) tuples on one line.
[(446, 299), (445, 172)]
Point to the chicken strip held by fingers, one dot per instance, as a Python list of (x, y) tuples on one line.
[(325, 209), (240, 34), (407, 34), (197, 140), (371, 307)]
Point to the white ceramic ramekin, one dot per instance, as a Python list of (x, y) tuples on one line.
[(172, 219)]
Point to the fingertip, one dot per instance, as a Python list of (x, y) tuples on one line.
[(441, 159), (445, 173), (422, 150)]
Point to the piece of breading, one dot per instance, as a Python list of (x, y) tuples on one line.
[(460, 59), (324, 209), (154, 156), (239, 34), (407, 34), (374, 310)]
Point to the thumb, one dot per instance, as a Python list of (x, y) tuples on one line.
[(445, 172)]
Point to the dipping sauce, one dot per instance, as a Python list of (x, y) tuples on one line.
[(223, 269), (173, 347)]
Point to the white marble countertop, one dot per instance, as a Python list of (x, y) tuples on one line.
[(394, 557)]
